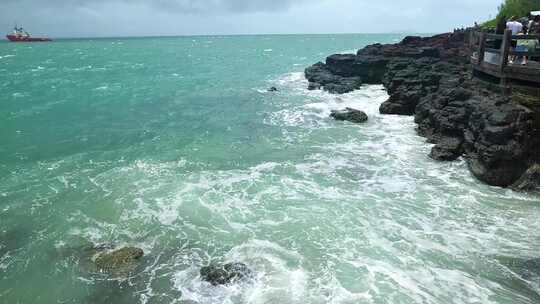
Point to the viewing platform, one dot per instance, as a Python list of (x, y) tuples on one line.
[(491, 54)]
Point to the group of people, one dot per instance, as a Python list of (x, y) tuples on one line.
[(524, 26)]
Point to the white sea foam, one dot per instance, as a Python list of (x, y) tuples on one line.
[(18, 95), (352, 214), (279, 277), (7, 56)]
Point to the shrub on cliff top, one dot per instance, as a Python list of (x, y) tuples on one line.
[(517, 8)]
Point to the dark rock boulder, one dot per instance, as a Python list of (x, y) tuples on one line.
[(319, 73), (320, 76), (497, 141), (402, 103), (444, 114), (225, 274), (349, 114), (342, 64), (314, 86), (447, 149), (272, 89), (529, 181), (344, 85), (370, 69)]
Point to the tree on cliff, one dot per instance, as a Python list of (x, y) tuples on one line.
[(517, 8)]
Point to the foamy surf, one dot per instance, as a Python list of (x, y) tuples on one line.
[(196, 161)]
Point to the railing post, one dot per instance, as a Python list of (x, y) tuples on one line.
[(505, 50), (482, 48)]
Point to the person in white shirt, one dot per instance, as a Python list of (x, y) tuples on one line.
[(514, 25), (516, 28)]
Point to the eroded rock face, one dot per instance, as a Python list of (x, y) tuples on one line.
[(430, 78), (321, 77), (448, 149), (349, 114), (225, 274), (529, 181), (497, 142)]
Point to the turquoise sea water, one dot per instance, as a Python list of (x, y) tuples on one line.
[(174, 145)]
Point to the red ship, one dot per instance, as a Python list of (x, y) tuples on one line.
[(20, 35)]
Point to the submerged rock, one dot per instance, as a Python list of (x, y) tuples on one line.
[(350, 114), (12, 240), (530, 181), (118, 259), (225, 274), (272, 89)]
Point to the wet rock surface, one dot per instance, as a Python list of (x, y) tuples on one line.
[(430, 78), (447, 149), (225, 274), (529, 181), (113, 260), (349, 114)]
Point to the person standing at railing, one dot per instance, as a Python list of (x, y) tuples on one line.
[(534, 26), (516, 28), (534, 29), (524, 46)]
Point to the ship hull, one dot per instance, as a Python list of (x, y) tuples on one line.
[(14, 38)]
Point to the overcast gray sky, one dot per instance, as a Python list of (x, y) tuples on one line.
[(75, 18)]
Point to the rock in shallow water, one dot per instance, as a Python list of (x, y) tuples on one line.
[(350, 114), (111, 261), (12, 240), (225, 274)]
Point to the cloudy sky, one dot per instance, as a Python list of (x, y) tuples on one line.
[(76, 18)]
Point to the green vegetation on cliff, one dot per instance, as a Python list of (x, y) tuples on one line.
[(517, 8)]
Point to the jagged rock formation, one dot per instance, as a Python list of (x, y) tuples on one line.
[(225, 274), (530, 181), (430, 78), (349, 114)]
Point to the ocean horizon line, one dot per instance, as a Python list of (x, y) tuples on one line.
[(225, 35)]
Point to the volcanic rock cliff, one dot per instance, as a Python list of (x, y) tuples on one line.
[(431, 79)]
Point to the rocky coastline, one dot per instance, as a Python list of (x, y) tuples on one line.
[(431, 79)]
